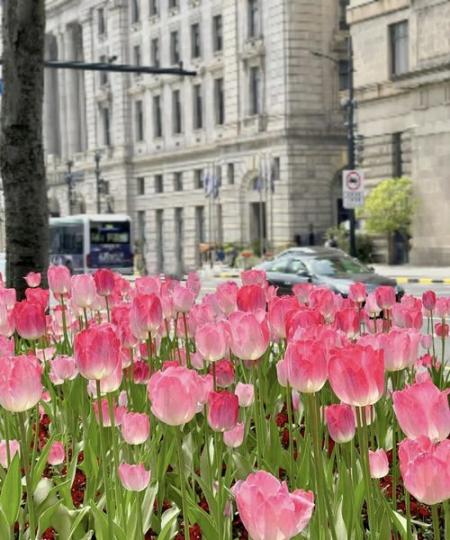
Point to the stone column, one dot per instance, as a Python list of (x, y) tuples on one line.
[(62, 99), (72, 94), (51, 101)]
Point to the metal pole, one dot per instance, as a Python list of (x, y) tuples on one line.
[(261, 239), (70, 185), (97, 158), (351, 139), (210, 232)]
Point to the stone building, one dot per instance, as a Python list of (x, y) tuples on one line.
[(402, 79), (262, 117)]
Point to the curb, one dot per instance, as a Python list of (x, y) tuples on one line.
[(421, 281), (226, 275)]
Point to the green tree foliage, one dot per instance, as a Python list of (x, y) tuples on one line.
[(389, 207)]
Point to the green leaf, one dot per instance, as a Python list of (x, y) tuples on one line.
[(11, 494), (81, 514), (147, 505), (101, 523), (46, 518), (4, 526), (400, 523), (41, 463), (169, 523)]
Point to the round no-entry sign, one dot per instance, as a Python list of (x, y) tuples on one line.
[(353, 180)]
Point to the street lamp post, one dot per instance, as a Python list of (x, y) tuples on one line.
[(69, 179), (350, 106)]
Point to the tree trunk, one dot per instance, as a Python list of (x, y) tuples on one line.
[(21, 146)]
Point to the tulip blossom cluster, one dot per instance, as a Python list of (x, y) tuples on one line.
[(145, 409)]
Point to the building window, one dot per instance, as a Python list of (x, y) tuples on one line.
[(255, 90), (160, 239), (343, 74), (397, 157), (230, 173), (178, 181), (157, 117), (198, 179), (196, 50), (217, 33), (106, 124), (139, 119), (276, 169), (174, 47), (155, 53), (137, 58), (219, 102), (101, 21), (173, 4), (343, 25), (159, 184), (176, 112), (253, 18), (154, 8), (103, 74), (197, 106), (140, 185), (399, 44), (135, 11)]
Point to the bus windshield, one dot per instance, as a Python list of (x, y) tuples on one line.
[(110, 232)]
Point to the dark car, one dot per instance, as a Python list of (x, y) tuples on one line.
[(323, 266)]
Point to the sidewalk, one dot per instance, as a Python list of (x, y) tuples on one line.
[(406, 273)]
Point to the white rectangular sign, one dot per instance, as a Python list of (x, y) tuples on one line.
[(352, 189)]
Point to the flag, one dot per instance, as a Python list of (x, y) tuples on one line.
[(258, 186), (208, 185)]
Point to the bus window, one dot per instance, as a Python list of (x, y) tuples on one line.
[(110, 233), (66, 239)]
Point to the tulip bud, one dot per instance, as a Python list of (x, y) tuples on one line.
[(245, 394), (56, 454), (134, 477), (234, 437), (378, 462), (223, 410)]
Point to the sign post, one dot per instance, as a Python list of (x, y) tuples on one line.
[(352, 189)]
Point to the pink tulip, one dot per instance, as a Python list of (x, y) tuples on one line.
[(6, 346), (63, 368), (249, 337), (56, 454), (245, 394), (59, 280), (400, 347), (104, 281), (223, 410), (141, 372), (193, 283), (425, 469), (267, 509), (324, 301), (29, 320), (135, 428), (356, 375), (20, 382), (422, 409), (134, 477), (175, 395), (224, 373), (348, 321), (211, 340), (429, 300), (442, 308), (97, 351), (357, 292), (83, 290), (148, 285), (278, 310), (118, 413), (14, 448), (385, 296), (38, 296), (442, 330), (306, 366), (226, 297), (302, 292), (378, 463), (33, 279), (183, 299), (111, 382), (234, 437), (254, 277), (251, 298), (340, 422), (405, 317), (146, 315)]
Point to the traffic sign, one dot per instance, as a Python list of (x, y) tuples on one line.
[(353, 189)]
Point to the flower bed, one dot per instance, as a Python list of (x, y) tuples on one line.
[(142, 412)]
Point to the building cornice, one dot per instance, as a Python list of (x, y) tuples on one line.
[(361, 10)]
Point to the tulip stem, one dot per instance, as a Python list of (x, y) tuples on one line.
[(364, 450), (25, 457), (408, 515), (435, 516), (103, 458), (181, 472), (118, 492), (186, 342), (108, 315), (291, 440), (140, 518), (446, 508)]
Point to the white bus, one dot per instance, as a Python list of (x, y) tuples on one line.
[(86, 242)]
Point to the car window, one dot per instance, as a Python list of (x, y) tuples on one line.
[(279, 265), (332, 266), (296, 266)]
